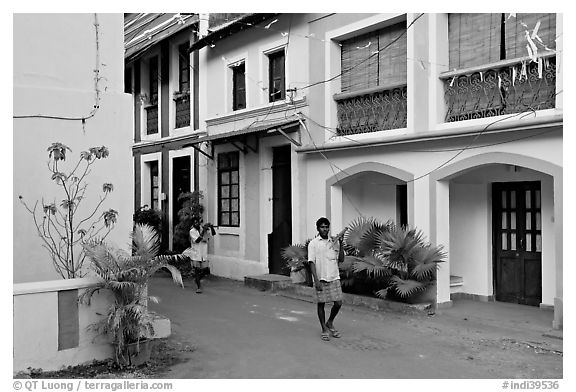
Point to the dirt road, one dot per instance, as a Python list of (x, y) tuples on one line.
[(231, 331)]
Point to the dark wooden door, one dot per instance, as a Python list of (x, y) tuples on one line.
[(180, 184), (517, 218), (281, 235)]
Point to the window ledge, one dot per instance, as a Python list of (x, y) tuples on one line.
[(367, 91), (485, 67)]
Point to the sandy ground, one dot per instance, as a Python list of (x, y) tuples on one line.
[(232, 331)]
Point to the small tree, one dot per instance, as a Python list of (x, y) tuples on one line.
[(191, 208), (62, 232)]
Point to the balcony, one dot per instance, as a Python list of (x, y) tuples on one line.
[(182, 110), (372, 110), (509, 86)]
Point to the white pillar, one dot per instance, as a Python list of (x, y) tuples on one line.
[(336, 223), (558, 233)]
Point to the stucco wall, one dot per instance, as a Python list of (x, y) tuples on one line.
[(54, 62), (369, 195), (251, 46), (36, 343), (470, 241)]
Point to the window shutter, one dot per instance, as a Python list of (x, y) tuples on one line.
[(359, 65), (516, 33), (474, 39), (393, 67)]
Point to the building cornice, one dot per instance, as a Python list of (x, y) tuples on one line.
[(550, 121)]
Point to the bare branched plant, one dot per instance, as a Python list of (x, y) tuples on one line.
[(59, 226)]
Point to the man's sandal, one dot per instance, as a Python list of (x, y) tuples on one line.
[(325, 336), (334, 333)]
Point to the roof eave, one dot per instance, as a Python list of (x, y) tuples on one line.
[(234, 27)]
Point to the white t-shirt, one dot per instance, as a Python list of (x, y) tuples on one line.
[(324, 254), (197, 251)]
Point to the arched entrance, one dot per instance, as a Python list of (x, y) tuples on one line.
[(370, 189), (500, 217)]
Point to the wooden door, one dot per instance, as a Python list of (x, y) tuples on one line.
[(281, 235), (517, 226)]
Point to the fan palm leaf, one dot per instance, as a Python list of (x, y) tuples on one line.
[(372, 264), (425, 262), (356, 230), (407, 287)]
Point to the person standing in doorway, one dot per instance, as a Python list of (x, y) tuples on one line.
[(198, 252), (324, 254)]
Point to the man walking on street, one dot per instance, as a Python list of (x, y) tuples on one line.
[(324, 254)]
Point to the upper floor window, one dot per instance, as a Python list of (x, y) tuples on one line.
[(228, 189), (153, 80), (238, 87), (276, 76), (374, 59), (154, 186), (183, 68), (478, 39)]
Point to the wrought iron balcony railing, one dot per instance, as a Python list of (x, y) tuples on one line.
[(151, 119), (182, 110), (371, 110), (509, 86)]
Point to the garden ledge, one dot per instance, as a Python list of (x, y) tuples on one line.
[(283, 286)]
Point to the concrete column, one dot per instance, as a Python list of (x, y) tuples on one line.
[(558, 233), (335, 212), (417, 73), (438, 56)]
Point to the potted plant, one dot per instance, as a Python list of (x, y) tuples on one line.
[(127, 322), (296, 258)]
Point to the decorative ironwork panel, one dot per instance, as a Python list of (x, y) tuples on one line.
[(372, 112), (182, 111), (151, 120), (510, 88)]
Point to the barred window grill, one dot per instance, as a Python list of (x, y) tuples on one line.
[(501, 89), (372, 111)]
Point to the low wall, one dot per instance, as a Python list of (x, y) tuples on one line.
[(50, 326)]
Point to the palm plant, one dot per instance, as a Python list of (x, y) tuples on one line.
[(126, 276), (401, 255)]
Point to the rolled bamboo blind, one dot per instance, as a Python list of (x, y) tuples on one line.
[(372, 60), (516, 40), (474, 39)]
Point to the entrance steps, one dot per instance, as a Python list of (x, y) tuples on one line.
[(283, 286)]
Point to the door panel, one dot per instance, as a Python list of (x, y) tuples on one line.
[(517, 215), (281, 235)]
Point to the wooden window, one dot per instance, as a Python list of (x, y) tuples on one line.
[(276, 79), (478, 39), (154, 186), (238, 87), (153, 82), (184, 68), (228, 189), (374, 59)]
